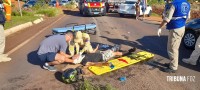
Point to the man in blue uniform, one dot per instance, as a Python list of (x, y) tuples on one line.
[(175, 20)]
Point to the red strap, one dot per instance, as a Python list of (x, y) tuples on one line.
[(120, 59)]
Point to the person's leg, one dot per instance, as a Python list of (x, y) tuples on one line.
[(143, 11), (117, 53), (2, 40), (195, 54), (174, 40), (3, 57), (52, 59)]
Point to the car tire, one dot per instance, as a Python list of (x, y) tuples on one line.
[(189, 39), (150, 12), (121, 15)]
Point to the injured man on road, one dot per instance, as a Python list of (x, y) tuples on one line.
[(102, 56)]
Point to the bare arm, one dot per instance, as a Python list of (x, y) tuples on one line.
[(95, 49), (66, 55)]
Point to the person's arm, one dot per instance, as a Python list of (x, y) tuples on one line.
[(97, 47), (66, 55), (166, 19)]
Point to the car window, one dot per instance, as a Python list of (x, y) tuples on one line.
[(31, 2), (64, 1), (130, 2), (53, 1), (194, 23)]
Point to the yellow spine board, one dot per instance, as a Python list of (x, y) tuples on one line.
[(121, 62)]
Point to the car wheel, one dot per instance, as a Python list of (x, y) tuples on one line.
[(189, 39), (149, 13), (121, 15)]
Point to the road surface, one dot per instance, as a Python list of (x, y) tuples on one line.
[(24, 72)]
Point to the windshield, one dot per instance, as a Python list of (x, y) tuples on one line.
[(53, 2), (64, 1), (93, 0), (130, 2)]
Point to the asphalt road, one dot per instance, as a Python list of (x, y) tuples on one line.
[(25, 72)]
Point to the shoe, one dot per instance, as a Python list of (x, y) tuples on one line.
[(166, 65), (116, 48), (169, 70), (48, 67), (188, 61), (4, 55), (79, 60), (5, 59), (132, 50)]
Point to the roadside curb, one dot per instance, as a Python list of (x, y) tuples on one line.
[(21, 27)]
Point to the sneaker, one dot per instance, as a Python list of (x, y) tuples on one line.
[(166, 65), (48, 67), (188, 61), (79, 59), (169, 70), (4, 55), (116, 48), (5, 59)]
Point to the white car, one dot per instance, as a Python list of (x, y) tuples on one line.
[(128, 8)]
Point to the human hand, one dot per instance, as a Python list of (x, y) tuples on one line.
[(75, 56), (159, 31)]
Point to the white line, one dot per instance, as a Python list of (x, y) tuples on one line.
[(98, 31), (28, 40)]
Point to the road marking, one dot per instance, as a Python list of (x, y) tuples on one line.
[(98, 31), (28, 40)]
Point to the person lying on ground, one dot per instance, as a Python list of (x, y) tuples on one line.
[(103, 56), (52, 51)]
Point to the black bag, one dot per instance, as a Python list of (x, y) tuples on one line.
[(2, 16)]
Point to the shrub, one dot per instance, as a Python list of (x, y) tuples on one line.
[(71, 5), (155, 2), (24, 13), (50, 12)]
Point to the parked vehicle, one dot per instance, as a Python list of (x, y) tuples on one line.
[(64, 2), (92, 7), (52, 3), (113, 5), (192, 32), (128, 8), (29, 4)]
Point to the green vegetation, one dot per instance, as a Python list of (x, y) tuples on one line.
[(70, 5), (29, 14), (86, 85), (16, 20), (156, 2), (50, 12)]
